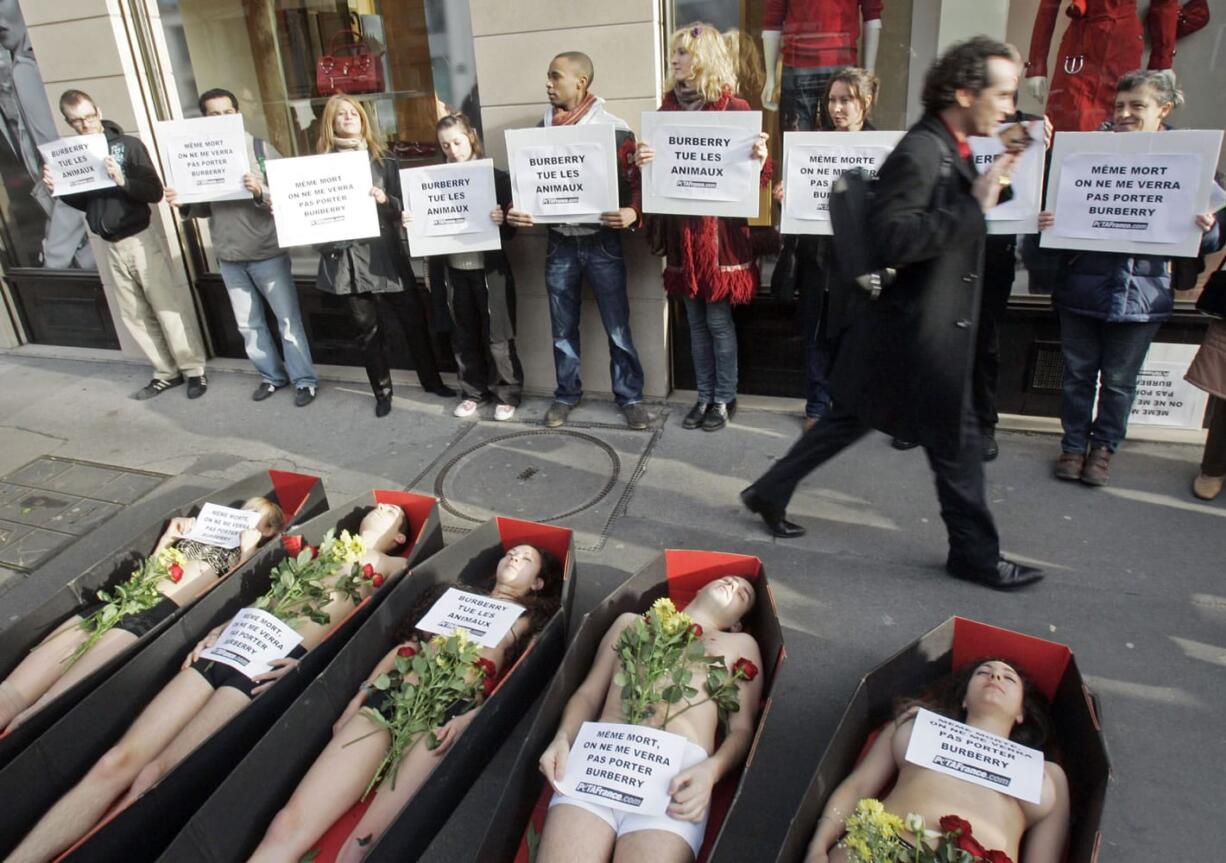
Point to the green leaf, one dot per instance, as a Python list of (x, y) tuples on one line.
[(619, 678), (383, 682), (310, 856)]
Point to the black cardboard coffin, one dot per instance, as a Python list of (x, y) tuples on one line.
[(61, 756), (678, 574), (1077, 738), (300, 496), (232, 822)]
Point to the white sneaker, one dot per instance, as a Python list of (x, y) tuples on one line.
[(502, 413), (466, 408)]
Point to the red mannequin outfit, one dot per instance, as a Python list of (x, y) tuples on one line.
[(1104, 41), (819, 32)]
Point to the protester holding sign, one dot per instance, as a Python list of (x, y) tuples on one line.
[(370, 749), (480, 291), (177, 572), (826, 309), (709, 261), (312, 592), (991, 696), (1111, 305), (590, 249), (254, 269), (155, 302), (373, 274), (641, 678)]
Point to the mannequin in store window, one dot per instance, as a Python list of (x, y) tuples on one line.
[(816, 39)]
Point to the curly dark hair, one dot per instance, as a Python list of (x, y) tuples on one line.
[(946, 695), (963, 66)]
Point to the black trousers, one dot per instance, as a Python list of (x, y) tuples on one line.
[(370, 312), (999, 270), (1214, 461), (486, 368), (973, 540)]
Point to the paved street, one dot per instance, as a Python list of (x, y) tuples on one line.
[(1135, 571)]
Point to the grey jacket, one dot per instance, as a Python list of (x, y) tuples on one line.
[(241, 230)]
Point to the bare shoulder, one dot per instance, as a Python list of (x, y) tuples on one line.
[(738, 644)]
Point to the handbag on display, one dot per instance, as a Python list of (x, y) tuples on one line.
[(1212, 299), (348, 66)]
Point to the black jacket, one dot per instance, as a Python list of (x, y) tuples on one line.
[(116, 213), (910, 359), (376, 265)]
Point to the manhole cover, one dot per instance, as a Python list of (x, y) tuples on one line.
[(536, 475)]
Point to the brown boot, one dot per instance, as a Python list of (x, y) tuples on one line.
[(1207, 487), (1069, 465), (1098, 467)]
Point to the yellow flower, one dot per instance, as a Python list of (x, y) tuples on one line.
[(664, 608), (345, 548), (169, 556)]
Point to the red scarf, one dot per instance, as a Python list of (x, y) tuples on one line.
[(562, 117)]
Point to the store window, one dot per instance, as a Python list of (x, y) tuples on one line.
[(406, 61), (37, 231)]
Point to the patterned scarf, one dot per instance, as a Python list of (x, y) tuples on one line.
[(349, 143), (562, 117), (688, 96)]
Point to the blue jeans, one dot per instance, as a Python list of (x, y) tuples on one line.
[(713, 346), (599, 256), (802, 98), (819, 360), (246, 282), (1091, 348)]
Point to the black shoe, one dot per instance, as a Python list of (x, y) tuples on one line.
[(637, 417), (556, 416), (1007, 575), (303, 396), (383, 405), (197, 386), (157, 386), (696, 415), (990, 448), (442, 390), (718, 415), (264, 390), (903, 444), (773, 517)]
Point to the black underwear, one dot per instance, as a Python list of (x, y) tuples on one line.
[(218, 674), (141, 623)]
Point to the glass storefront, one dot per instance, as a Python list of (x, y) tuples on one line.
[(911, 34)]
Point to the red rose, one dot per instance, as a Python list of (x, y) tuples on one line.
[(696, 630), (314, 551), (488, 669), (954, 824), (377, 581), (368, 571), (995, 856), (745, 668), (176, 573), (967, 842), (488, 685), (407, 651), (292, 543)]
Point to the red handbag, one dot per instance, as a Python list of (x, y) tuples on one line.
[(348, 68)]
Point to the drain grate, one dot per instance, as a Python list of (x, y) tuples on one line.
[(1046, 367)]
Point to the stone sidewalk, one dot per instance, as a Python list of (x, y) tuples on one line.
[(1135, 570)]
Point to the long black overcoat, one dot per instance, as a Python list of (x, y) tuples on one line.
[(909, 365)]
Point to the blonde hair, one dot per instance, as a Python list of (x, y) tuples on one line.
[(268, 511), (712, 68), (327, 123), (744, 53)]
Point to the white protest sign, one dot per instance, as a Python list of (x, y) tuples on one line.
[(1163, 397), (221, 525), (812, 161), (485, 619), (322, 199), (77, 164), (251, 641), (703, 164), (451, 206), (626, 767), (1019, 214), (980, 757), (564, 173), (1130, 192), (205, 158)]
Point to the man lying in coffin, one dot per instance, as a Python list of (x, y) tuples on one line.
[(410, 711), (312, 592), (692, 674), (990, 695)]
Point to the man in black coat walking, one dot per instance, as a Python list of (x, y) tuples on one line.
[(907, 368)]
